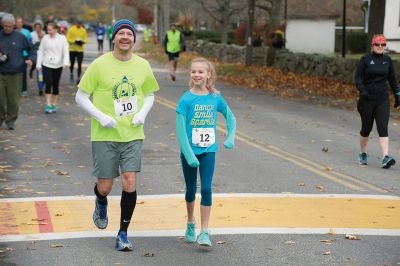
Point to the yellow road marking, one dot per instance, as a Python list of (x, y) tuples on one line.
[(350, 182), (75, 215)]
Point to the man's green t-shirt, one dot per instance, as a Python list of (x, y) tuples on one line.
[(118, 89)]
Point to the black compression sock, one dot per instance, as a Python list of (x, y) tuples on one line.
[(102, 200), (128, 203)]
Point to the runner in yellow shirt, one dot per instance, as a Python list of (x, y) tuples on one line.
[(122, 87), (77, 38)]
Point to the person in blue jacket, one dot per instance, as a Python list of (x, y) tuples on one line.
[(374, 71), (100, 32), (196, 122)]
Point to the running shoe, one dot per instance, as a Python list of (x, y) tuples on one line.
[(100, 218), (388, 161), (122, 243), (363, 158), (48, 109), (10, 125), (54, 108), (190, 235), (204, 239)]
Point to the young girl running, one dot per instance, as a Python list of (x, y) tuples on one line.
[(196, 123)]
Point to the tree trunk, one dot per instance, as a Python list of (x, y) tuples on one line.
[(225, 23), (376, 19), (275, 13)]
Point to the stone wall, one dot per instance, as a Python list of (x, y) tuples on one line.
[(308, 64)]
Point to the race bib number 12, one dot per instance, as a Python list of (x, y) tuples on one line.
[(125, 106), (203, 137)]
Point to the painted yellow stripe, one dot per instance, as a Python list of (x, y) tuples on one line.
[(228, 212), (25, 217), (349, 182)]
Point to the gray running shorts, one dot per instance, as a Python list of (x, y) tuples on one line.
[(112, 158)]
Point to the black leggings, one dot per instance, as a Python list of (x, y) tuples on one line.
[(79, 57), (370, 111), (51, 79)]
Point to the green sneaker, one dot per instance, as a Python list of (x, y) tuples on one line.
[(388, 161), (54, 108), (48, 109), (204, 239), (190, 235)]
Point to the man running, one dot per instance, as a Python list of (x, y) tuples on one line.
[(173, 45), (122, 87), (77, 38)]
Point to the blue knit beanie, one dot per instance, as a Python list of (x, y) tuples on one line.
[(124, 24)]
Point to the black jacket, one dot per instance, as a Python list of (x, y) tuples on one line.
[(13, 45), (372, 73)]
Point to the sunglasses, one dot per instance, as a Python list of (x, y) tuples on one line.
[(380, 44)]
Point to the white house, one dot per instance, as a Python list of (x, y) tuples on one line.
[(307, 35), (391, 26)]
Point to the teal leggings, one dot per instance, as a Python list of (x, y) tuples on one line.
[(207, 163)]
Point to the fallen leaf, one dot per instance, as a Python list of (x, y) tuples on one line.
[(301, 184), (56, 245), (59, 172), (325, 149), (351, 237), (326, 253), (320, 188), (149, 254), (290, 242), (140, 202), (221, 242)]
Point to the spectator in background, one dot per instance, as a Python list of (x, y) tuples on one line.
[(50, 19), (19, 27), (109, 37), (37, 36), (100, 32), (12, 65), (77, 38), (173, 44), (53, 55)]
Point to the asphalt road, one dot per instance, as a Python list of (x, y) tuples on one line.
[(282, 148)]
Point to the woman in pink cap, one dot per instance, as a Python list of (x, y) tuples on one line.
[(373, 72)]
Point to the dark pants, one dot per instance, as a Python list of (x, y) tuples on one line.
[(24, 80), (100, 45), (79, 57), (10, 89), (370, 111), (52, 79)]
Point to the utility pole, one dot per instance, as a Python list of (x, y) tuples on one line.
[(166, 14), (344, 30), (285, 19), (249, 32)]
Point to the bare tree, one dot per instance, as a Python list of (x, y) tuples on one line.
[(222, 11)]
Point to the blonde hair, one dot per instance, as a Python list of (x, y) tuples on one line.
[(213, 75)]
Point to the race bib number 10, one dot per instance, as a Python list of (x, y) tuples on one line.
[(125, 106), (203, 137)]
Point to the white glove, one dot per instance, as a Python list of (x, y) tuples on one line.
[(107, 121), (83, 100), (139, 118)]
